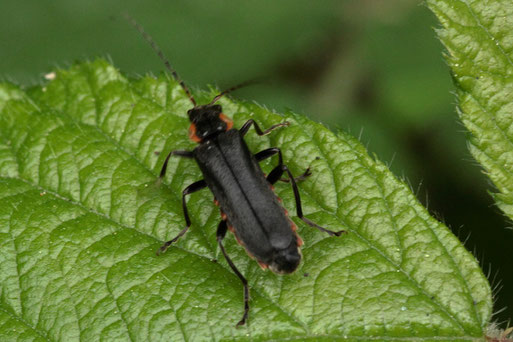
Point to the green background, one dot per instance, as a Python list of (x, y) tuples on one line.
[(372, 68)]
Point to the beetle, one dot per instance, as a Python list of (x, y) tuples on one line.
[(249, 207)]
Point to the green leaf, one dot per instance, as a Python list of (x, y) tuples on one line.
[(478, 36), (81, 216)]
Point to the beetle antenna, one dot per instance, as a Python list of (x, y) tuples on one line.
[(229, 90), (159, 52)]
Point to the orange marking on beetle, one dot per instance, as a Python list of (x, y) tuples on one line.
[(230, 228), (299, 241), (294, 228), (216, 202), (262, 265), (192, 133), (240, 242), (227, 120), (249, 254)]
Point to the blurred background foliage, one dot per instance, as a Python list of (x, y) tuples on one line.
[(373, 68)]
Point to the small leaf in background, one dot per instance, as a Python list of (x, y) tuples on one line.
[(478, 39), (479, 42), (81, 218)]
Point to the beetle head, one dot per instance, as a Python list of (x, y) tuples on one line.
[(286, 260), (207, 121)]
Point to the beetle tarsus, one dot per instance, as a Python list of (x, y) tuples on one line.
[(299, 209), (245, 128), (246, 306), (304, 176), (275, 175), (221, 233), (322, 229)]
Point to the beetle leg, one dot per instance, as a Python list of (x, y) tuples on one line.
[(275, 176), (221, 233), (201, 184), (275, 173), (245, 128), (305, 175), (180, 153), (299, 209), (269, 152)]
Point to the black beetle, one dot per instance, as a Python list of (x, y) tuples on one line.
[(249, 207)]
